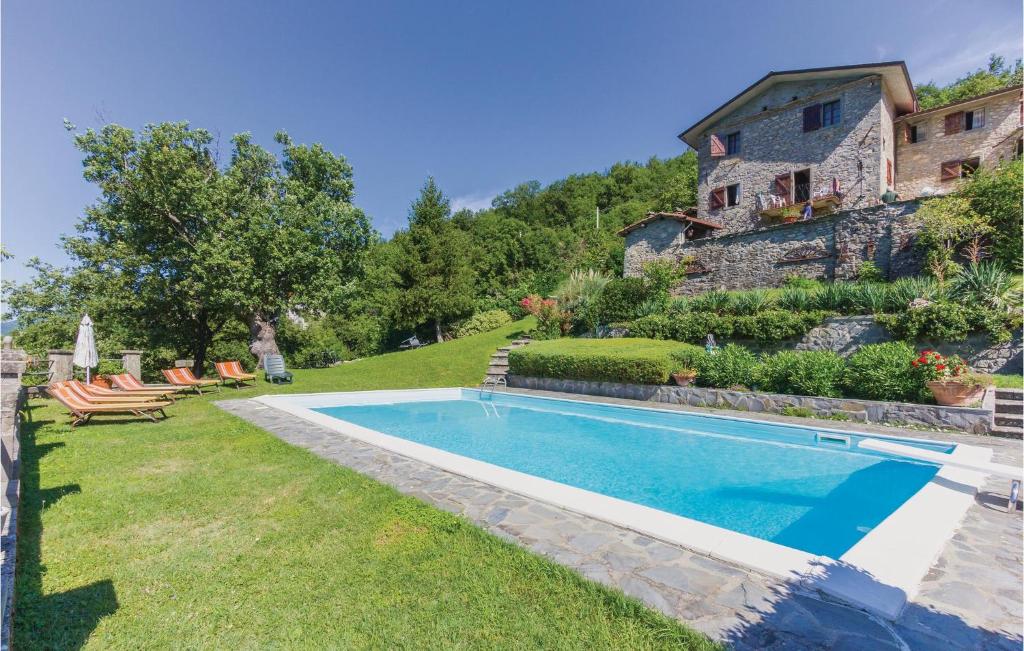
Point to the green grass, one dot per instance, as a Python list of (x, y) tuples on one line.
[(1009, 381), (625, 346), (203, 531)]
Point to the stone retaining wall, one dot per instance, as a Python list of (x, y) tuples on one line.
[(966, 419), (12, 397), (845, 334)]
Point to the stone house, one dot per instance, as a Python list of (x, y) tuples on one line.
[(838, 138)]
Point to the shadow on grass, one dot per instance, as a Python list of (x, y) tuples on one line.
[(60, 620), (795, 616)]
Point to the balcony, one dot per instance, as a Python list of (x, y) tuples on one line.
[(774, 207)]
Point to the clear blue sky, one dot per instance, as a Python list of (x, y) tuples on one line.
[(482, 95)]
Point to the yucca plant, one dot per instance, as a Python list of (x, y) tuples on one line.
[(579, 295), (716, 301), (680, 305), (836, 297), (795, 299), (871, 297), (986, 283), (751, 302)]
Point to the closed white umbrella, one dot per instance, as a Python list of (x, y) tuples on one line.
[(85, 347)]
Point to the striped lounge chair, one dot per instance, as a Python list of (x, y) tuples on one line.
[(183, 377), (234, 372), (82, 410)]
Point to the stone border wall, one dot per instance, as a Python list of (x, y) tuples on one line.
[(12, 398), (966, 419)]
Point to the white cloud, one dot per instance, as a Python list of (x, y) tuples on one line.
[(475, 202), (942, 64)]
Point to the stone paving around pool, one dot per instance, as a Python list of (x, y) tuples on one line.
[(971, 598)]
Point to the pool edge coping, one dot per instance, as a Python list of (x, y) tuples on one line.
[(885, 552)]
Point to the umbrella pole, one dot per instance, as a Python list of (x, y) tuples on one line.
[(87, 375)]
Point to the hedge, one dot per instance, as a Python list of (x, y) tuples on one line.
[(630, 360), (692, 327)]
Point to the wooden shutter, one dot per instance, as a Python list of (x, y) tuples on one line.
[(954, 123), (717, 198), (888, 171), (949, 170), (783, 183), (717, 146), (812, 117)]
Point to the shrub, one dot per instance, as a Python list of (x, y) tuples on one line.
[(776, 325), (812, 373), (694, 327), (633, 361), (798, 412), (715, 301), (752, 302), (871, 297), (836, 297), (905, 290), (552, 321), (315, 346), (795, 299), (730, 366), (869, 272), (797, 281), (223, 349), (884, 372), (483, 322), (580, 296), (936, 321), (985, 283), (622, 298), (999, 325), (655, 326)]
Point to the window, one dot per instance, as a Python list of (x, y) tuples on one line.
[(958, 169), (914, 133), (732, 195), (830, 113), (732, 143), (974, 119), (716, 199)]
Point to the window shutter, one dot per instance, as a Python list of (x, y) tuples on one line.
[(954, 123), (812, 117), (717, 198), (979, 118), (906, 133), (949, 170), (717, 146), (783, 182), (888, 171)]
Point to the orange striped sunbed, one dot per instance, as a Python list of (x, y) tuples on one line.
[(94, 394), (82, 410), (128, 382), (233, 371), (103, 392), (183, 377)]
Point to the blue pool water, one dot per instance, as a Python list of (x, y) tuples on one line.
[(771, 481)]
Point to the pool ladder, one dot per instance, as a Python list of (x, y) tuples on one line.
[(491, 382)]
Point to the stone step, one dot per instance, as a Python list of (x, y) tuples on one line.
[(1009, 407), (1010, 421), (1014, 395), (499, 361), (502, 354), (1008, 432), (497, 370)]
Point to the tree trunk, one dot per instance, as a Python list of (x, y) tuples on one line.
[(437, 331), (204, 336), (262, 336)]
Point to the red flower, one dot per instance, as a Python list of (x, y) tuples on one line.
[(939, 367), (915, 362)]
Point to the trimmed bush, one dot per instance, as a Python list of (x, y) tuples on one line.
[(636, 361), (884, 372), (812, 373), (776, 325), (937, 321), (483, 322), (655, 326), (622, 300), (729, 366), (693, 327)]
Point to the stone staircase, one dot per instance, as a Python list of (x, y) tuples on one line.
[(1009, 413), (497, 369)]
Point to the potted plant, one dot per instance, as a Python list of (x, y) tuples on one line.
[(103, 373), (789, 214), (684, 376), (950, 380)]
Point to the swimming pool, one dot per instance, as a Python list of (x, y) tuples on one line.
[(779, 498)]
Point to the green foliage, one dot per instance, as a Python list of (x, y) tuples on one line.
[(797, 281), (730, 366), (795, 299), (997, 194), (905, 290), (715, 302), (983, 80), (580, 296), (693, 327), (622, 299), (935, 322), (483, 322), (315, 345), (752, 302), (884, 372), (777, 325), (950, 228), (987, 284), (869, 272), (797, 412), (636, 361), (811, 373)]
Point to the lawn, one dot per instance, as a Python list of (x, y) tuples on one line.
[(203, 531)]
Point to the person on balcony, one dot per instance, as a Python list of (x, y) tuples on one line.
[(808, 211)]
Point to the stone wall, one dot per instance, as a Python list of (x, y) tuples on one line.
[(846, 334), (967, 419), (773, 142), (918, 162), (829, 247), (12, 397)]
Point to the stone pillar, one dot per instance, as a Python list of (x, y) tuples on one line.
[(12, 394), (61, 368), (132, 361)]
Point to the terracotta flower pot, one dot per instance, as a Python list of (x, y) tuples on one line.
[(952, 393), (684, 379), (101, 381)]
